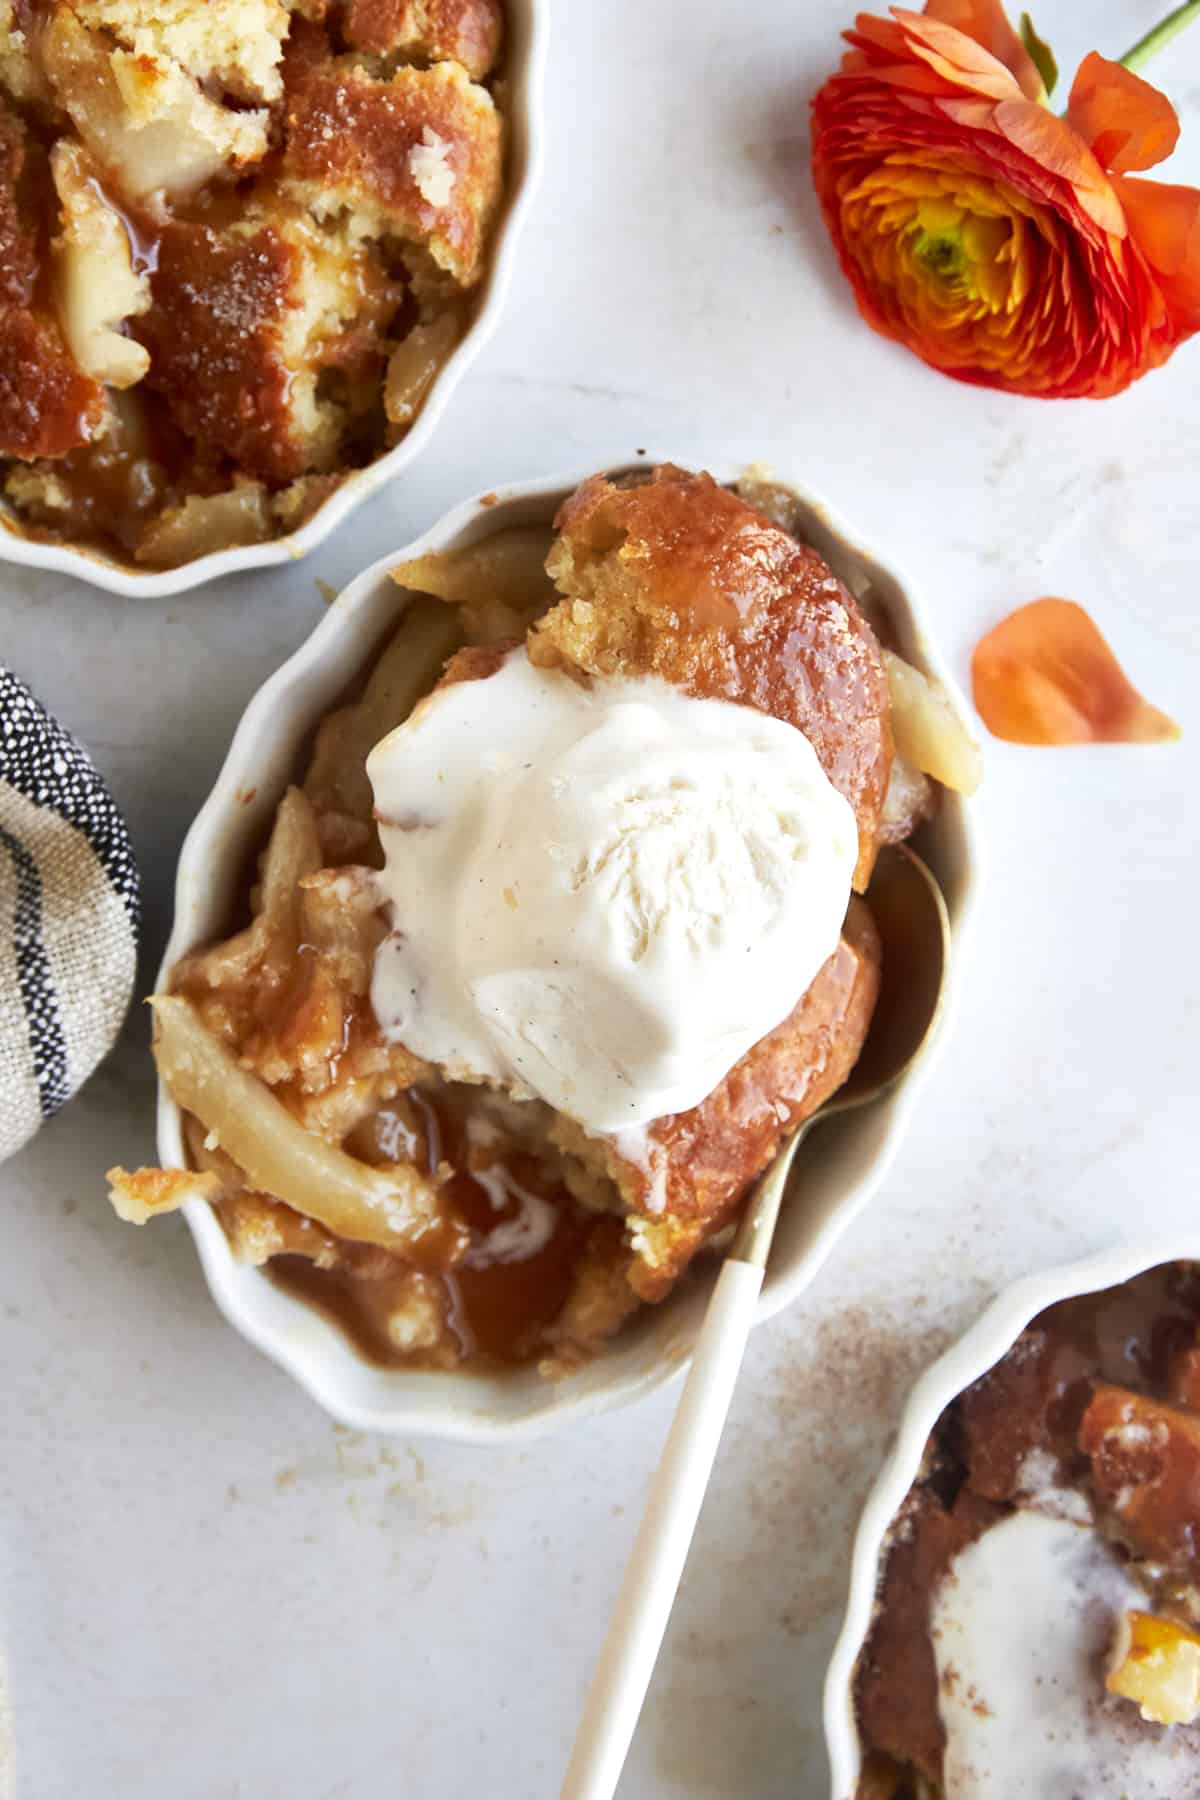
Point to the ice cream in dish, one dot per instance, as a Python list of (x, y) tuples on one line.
[(1037, 1624), (610, 910), (581, 707)]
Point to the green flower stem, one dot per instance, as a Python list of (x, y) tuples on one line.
[(1160, 35)]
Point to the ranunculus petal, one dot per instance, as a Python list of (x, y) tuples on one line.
[(1050, 141), (880, 36), (1127, 123), (1164, 221), (913, 78), (957, 57), (1045, 675), (987, 23), (976, 115)]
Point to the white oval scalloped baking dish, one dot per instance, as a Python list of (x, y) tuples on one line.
[(839, 1169), (990, 1338), (528, 28)]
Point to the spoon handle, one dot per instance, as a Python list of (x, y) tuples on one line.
[(677, 1492)]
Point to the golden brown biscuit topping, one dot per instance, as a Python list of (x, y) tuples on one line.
[(462, 31), (415, 158), (262, 235), (692, 584)]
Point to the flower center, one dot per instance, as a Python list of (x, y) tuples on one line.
[(963, 245), (952, 259), (941, 256)]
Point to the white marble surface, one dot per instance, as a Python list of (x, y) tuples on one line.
[(207, 1590)]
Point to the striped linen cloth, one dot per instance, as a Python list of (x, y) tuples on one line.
[(69, 910)]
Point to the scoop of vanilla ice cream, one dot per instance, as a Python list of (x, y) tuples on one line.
[(601, 895), (1020, 1626)]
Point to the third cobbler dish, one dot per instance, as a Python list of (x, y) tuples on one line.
[(1037, 1620)]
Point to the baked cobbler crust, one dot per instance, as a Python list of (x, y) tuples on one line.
[(679, 578), (262, 235), (414, 158), (462, 31)]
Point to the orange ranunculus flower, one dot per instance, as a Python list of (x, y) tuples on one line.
[(1004, 245)]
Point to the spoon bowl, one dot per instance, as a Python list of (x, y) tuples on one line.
[(914, 932), (910, 915)]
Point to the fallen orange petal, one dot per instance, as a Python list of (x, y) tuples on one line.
[(986, 22), (1127, 123), (1046, 676)]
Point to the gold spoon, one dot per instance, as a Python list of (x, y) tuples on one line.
[(914, 929)]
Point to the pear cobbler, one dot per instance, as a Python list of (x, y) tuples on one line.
[(1037, 1630), (564, 924), (237, 242)]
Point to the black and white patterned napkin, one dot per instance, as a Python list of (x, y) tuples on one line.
[(69, 908)]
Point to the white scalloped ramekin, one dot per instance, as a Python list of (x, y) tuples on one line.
[(839, 1169), (990, 1338), (525, 64)]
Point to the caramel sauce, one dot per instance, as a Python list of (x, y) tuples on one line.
[(526, 1238), (503, 1294), (143, 231), (47, 405), (117, 482), (111, 474)]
